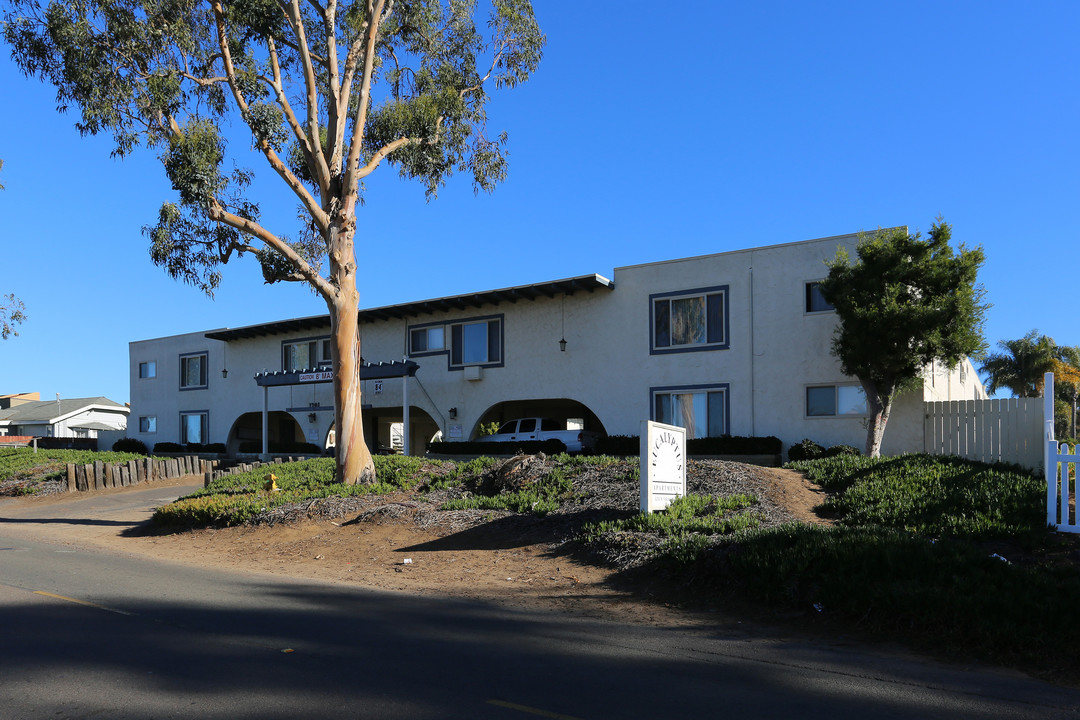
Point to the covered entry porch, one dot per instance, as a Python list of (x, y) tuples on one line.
[(368, 371)]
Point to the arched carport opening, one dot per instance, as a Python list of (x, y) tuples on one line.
[(571, 413), (384, 429), (285, 432)]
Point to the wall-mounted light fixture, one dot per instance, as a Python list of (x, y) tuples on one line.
[(453, 413), (562, 312), (311, 417), (224, 373)]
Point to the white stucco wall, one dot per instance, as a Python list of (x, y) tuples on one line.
[(775, 351)]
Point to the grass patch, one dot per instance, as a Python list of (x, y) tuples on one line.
[(916, 555), (931, 495), (676, 537), (692, 514)]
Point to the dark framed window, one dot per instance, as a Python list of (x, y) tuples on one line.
[(690, 320), (194, 427), (147, 369), (835, 400), (472, 341), (702, 410), (148, 424), (815, 301), (427, 339), (193, 371), (306, 354)]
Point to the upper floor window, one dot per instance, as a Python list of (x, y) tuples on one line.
[(701, 409), (689, 320), (148, 369), (431, 338), (193, 371), (478, 341), (475, 343), (307, 354), (832, 400), (815, 301)]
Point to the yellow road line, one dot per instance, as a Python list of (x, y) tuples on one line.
[(531, 710), (82, 602)]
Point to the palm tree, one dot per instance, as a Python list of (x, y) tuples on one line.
[(1021, 365)]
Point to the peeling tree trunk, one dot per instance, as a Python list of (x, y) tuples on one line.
[(354, 463)]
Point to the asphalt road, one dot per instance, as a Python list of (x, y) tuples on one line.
[(85, 633)]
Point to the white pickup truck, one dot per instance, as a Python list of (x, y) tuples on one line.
[(540, 429)]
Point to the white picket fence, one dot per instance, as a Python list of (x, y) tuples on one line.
[(1061, 463), (1061, 487), (1014, 430), (1003, 430)]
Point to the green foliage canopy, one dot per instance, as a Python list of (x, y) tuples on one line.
[(903, 303)]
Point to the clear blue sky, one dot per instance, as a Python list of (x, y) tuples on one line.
[(647, 134)]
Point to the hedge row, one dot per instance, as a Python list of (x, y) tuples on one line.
[(298, 448), (724, 445), (171, 447), (548, 447), (810, 450)]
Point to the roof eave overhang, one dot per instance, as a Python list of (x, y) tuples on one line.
[(456, 303)]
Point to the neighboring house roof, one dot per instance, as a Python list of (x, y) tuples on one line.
[(54, 411), (93, 426), (550, 289)]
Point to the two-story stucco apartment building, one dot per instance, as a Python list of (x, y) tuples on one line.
[(733, 343)]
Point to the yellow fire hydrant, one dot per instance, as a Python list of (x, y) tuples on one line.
[(271, 483)]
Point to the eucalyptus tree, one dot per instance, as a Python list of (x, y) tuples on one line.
[(903, 303), (1021, 364), (330, 90)]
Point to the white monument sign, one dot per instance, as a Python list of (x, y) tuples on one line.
[(663, 465)]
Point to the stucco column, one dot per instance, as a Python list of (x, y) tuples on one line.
[(406, 436)]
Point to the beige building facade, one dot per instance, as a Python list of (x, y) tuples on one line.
[(732, 343)]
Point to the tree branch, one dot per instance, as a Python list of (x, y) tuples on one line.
[(313, 206), (316, 161), (217, 213), (312, 89), (378, 157), (352, 178)]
